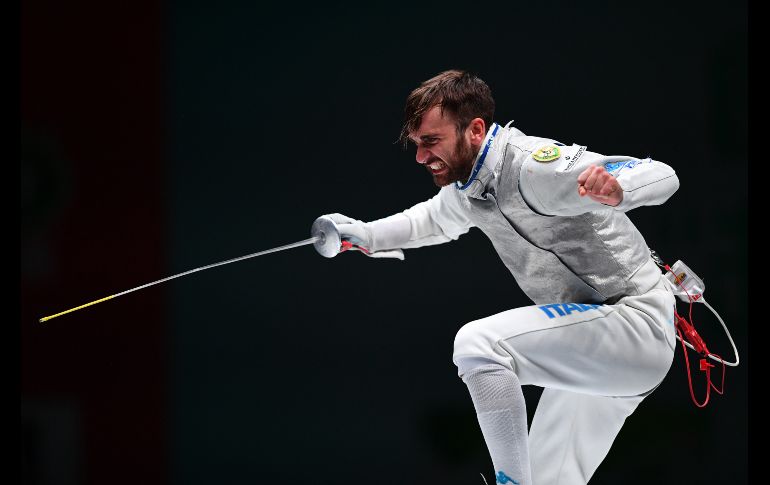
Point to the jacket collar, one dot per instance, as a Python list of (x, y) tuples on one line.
[(487, 159)]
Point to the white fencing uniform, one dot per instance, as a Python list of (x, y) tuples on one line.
[(601, 335)]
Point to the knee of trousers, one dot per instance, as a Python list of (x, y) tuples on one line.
[(473, 342)]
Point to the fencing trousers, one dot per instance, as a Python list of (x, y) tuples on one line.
[(596, 363)]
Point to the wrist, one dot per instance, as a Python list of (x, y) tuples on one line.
[(391, 232), (622, 204)]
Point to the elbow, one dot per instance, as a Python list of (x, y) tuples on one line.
[(670, 187), (674, 184), (670, 181)]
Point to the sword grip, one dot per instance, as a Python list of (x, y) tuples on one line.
[(328, 242)]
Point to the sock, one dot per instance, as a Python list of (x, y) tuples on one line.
[(502, 415)]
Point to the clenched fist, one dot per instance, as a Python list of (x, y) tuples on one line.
[(600, 186)]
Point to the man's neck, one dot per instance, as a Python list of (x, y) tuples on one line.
[(479, 153)]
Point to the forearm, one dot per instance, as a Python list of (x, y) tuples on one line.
[(424, 229), (390, 232), (412, 228), (653, 184), (434, 221)]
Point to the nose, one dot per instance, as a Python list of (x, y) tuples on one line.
[(423, 155)]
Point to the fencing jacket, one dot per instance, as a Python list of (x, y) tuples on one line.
[(560, 247)]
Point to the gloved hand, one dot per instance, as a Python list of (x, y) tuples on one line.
[(359, 233)]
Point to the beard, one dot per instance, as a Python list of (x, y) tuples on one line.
[(459, 164)]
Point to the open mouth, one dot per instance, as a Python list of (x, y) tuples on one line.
[(437, 167)]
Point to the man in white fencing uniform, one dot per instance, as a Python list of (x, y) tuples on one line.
[(600, 336)]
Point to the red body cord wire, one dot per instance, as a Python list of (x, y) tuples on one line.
[(348, 245), (687, 330), (682, 327)]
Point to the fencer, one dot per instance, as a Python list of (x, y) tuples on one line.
[(600, 336)]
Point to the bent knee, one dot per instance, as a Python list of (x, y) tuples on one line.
[(469, 342), (472, 346)]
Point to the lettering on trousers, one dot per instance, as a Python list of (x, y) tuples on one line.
[(563, 309), (502, 478)]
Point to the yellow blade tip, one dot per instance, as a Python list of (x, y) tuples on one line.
[(77, 308)]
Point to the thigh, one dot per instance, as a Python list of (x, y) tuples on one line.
[(610, 350), (572, 433)]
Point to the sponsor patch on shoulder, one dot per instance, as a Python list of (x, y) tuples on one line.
[(615, 168), (548, 153), (571, 160)]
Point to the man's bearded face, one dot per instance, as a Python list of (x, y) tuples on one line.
[(446, 155)]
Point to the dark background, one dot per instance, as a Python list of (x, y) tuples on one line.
[(156, 138)]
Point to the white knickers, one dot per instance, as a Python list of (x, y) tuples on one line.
[(596, 363), (625, 349)]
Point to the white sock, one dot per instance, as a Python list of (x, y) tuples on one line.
[(502, 415)]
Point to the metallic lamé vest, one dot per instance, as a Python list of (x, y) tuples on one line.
[(596, 257)]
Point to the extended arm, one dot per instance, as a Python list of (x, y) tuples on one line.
[(434, 221)]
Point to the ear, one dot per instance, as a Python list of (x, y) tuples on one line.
[(477, 130)]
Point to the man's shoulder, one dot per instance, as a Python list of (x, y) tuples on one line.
[(449, 197), (542, 155), (528, 143)]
